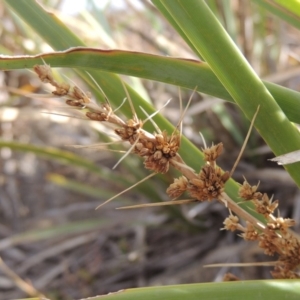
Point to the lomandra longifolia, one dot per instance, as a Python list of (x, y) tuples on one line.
[(159, 151)]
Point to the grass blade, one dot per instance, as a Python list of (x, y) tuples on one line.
[(186, 73), (246, 290), (288, 11)]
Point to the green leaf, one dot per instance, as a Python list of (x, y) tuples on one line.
[(186, 73), (104, 191), (64, 157), (53, 232), (235, 290), (246, 290), (288, 11)]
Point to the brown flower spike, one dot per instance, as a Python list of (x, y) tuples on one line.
[(160, 151)]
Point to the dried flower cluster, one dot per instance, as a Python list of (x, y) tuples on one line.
[(160, 151), (274, 237), (208, 184), (157, 149)]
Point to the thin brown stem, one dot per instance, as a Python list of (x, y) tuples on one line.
[(244, 144), (18, 281)]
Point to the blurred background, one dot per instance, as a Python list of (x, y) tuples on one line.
[(50, 234)]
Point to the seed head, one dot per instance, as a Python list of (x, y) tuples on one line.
[(96, 116), (209, 184), (265, 206), (129, 132), (231, 223), (79, 95), (230, 277), (281, 224), (178, 187), (62, 89), (211, 154), (249, 192), (266, 242), (156, 164), (250, 233), (44, 72), (282, 272)]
